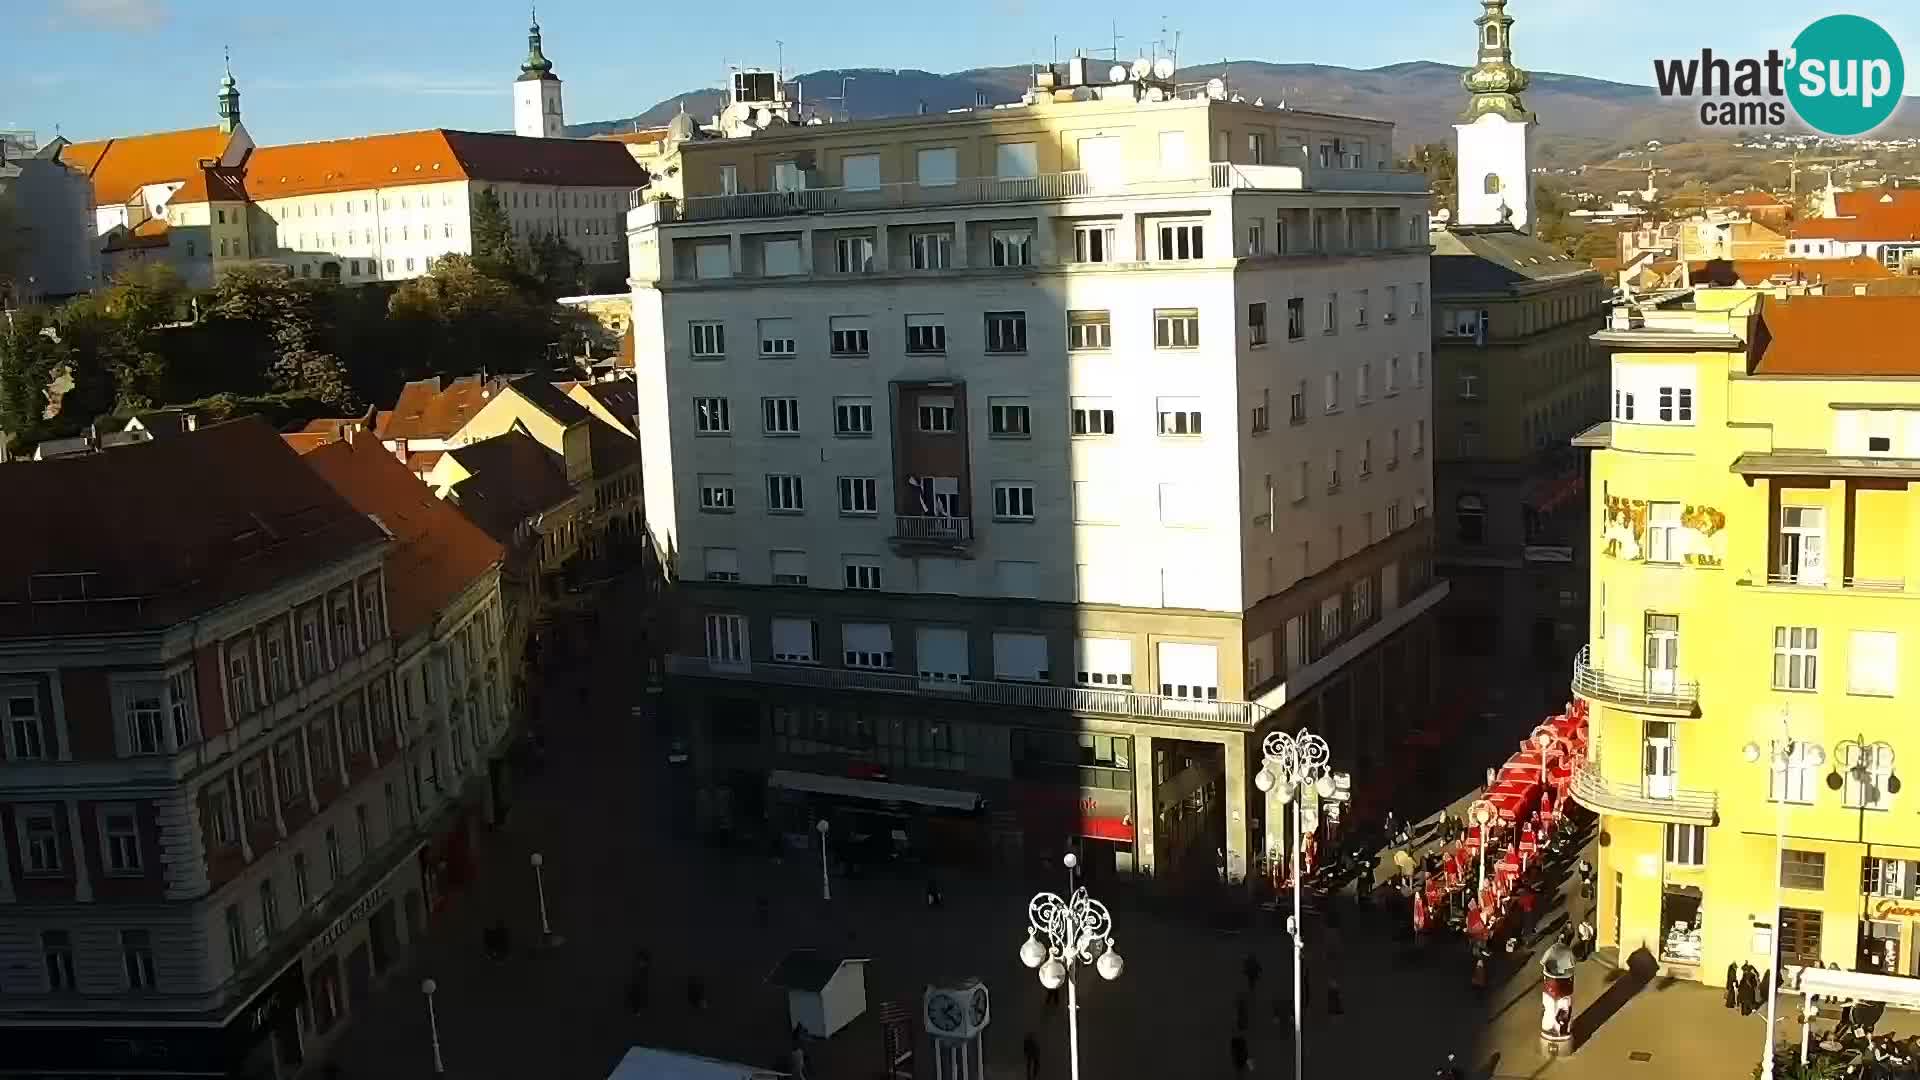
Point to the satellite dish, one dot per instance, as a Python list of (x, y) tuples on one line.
[(762, 116), (1217, 88), (1259, 103), (1117, 73), (1142, 68), (1163, 67)]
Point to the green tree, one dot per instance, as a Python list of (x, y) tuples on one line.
[(31, 352), (1436, 161), (1596, 244), (280, 325), (493, 243), (557, 266), (462, 318)]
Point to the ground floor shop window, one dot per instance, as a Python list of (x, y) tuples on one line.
[(1879, 947), (1799, 937), (326, 995), (1680, 918)]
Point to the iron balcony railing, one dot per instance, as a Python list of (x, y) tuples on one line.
[(1805, 580), (1647, 689), (1075, 699), (944, 530), (1638, 800)]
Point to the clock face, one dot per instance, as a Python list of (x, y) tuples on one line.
[(945, 1013), (977, 1007)]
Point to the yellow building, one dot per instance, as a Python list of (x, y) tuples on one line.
[(1755, 580)]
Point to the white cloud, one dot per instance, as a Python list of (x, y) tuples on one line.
[(391, 83), (111, 14)]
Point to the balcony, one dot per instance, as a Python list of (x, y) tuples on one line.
[(1821, 583), (1293, 173), (1238, 715), (1660, 693), (921, 533), (1634, 800)]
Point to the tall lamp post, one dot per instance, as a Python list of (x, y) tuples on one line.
[(1062, 935), (1291, 763), (1481, 813), (430, 988), (540, 886), (1782, 753), (826, 888)]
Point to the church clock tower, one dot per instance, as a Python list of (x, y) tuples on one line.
[(536, 93), (1495, 153)]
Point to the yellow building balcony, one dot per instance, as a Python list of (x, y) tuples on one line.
[(1653, 799), (1658, 691)]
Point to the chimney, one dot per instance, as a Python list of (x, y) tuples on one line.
[(979, 99)]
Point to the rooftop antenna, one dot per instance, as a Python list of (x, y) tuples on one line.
[(780, 65)]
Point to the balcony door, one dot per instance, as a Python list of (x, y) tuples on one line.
[(1803, 545), (1658, 758), (1663, 653), (1103, 162)]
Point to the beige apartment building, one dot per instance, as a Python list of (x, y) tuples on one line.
[(1019, 467)]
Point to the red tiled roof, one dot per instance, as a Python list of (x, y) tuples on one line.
[(151, 233), (1866, 200), (1865, 216), (437, 553), (306, 442), (435, 155), (426, 411), (1837, 336), (212, 185), (1761, 271), (120, 167), (648, 135), (512, 478), (199, 545)]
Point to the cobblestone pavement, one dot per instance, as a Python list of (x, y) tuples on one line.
[(619, 877)]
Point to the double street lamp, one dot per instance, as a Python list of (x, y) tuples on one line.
[(1783, 753), (1062, 934), (1292, 762)]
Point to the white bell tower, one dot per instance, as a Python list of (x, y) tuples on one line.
[(1495, 152), (536, 93)]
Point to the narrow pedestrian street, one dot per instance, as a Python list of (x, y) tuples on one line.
[(620, 876)]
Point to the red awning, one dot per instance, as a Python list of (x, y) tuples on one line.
[(1107, 828)]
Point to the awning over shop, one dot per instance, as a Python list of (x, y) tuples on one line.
[(874, 790), (1894, 990)]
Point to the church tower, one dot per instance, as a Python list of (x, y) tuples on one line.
[(1495, 152), (536, 93), (229, 99)]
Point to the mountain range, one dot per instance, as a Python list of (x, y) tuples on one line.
[(1581, 119)]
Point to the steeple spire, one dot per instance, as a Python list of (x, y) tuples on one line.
[(229, 96), (536, 65), (1494, 84)]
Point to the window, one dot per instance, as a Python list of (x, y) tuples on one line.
[(1012, 501), (1393, 516), (926, 334), (1469, 386), (1256, 324), (780, 257), (1366, 458), (780, 415), (269, 906), (709, 340), (860, 172), (1419, 293), (1393, 376), (1686, 845), (1873, 662), (857, 496), (240, 678), (287, 768), (1296, 318), (936, 415), (1868, 771), (848, 335), (932, 250), (1332, 619), (723, 564), (795, 641), (253, 792), (136, 959), (1803, 869), (1297, 403), (1009, 418), (1011, 247), (1262, 413), (1622, 404), (726, 641), (867, 645), (1363, 384), (1256, 237), (143, 711), (1793, 781), (852, 416), (1093, 243), (1796, 658), (57, 948), (236, 937), (1391, 309), (1173, 151), (1182, 240), (120, 840), (853, 254), (937, 167), (1360, 308), (860, 572), (783, 494), (1470, 438), (1419, 437), (1176, 328), (1663, 533), (789, 568), (1333, 473), (1092, 416), (363, 829), (1420, 369), (1089, 330), (710, 416), (1179, 416), (1330, 314), (1676, 405), (40, 841), (1016, 161), (716, 493), (1104, 662), (1006, 331), (1331, 383), (776, 337)]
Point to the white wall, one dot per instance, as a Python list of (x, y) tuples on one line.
[(1494, 144)]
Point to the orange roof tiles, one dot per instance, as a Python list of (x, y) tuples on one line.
[(1838, 336), (151, 233), (306, 442), (120, 167), (438, 552), (426, 411), (212, 185), (649, 135), (1866, 216), (426, 157), (1761, 271)]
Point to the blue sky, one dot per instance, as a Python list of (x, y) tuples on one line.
[(324, 70)]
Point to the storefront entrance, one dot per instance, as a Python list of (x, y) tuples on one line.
[(1879, 951)]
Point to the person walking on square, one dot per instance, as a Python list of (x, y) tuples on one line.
[(1749, 989), (933, 893), (1030, 1049), (1733, 986), (1242, 1060)]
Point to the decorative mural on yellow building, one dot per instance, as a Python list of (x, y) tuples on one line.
[(1695, 535)]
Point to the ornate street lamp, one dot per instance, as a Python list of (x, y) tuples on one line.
[(1062, 935), (1782, 753), (1291, 763)]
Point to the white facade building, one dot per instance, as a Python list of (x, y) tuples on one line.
[(537, 113), (1495, 157)]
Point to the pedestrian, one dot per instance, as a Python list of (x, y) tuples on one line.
[(933, 893), (1749, 989), (1242, 1061), (1733, 985), (1030, 1049), (1760, 991), (1526, 900), (799, 1057), (1251, 967), (696, 992), (1583, 938)]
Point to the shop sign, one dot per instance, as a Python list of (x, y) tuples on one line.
[(350, 918), (1894, 909)]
